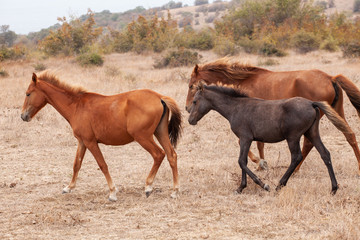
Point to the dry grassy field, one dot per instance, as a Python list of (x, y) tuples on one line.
[(36, 163)]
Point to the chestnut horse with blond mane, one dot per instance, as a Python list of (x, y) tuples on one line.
[(258, 82), (112, 120)]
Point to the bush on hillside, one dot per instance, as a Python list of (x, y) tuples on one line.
[(90, 59), (178, 58), (225, 47), (351, 49), (305, 42)]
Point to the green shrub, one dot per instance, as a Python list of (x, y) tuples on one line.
[(305, 41), (351, 49), (225, 47), (177, 59), (250, 46), (90, 59), (329, 45), (269, 49), (39, 67)]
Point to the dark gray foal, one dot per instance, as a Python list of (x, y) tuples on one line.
[(270, 121)]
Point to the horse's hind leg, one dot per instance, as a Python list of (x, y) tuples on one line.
[(158, 155), (163, 138), (77, 165), (314, 137), (350, 136), (294, 146), (307, 146)]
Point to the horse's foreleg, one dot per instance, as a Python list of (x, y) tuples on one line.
[(158, 155), (244, 149), (262, 164), (296, 157), (96, 152), (77, 165)]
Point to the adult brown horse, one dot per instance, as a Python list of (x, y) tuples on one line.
[(314, 85), (111, 120)]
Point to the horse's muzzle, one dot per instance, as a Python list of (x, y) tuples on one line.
[(192, 121), (25, 117)]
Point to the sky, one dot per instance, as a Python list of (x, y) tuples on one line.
[(24, 16)]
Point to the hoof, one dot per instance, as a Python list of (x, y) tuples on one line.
[(112, 198), (267, 187), (66, 190), (148, 190), (263, 165), (174, 195)]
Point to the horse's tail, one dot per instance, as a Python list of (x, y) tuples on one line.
[(333, 116), (175, 124), (351, 90)]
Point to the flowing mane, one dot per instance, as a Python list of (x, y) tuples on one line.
[(231, 92), (233, 71), (53, 80)]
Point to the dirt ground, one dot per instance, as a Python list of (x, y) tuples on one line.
[(37, 158)]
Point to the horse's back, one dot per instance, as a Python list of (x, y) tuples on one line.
[(310, 84)]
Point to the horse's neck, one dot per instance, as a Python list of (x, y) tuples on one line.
[(221, 103), (61, 100)]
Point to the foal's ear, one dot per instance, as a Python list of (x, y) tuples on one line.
[(34, 78), (200, 86)]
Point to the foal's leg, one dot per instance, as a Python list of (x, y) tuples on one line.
[(244, 149), (314, 136), (96, 152), (262, 164), (296, 157), (158, 155), (163, 138), (77, 165)]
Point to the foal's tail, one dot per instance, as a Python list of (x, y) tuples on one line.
[(175, 124), (351, 90), (333, 116)]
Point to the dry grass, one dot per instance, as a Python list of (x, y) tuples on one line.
[(37, 159)]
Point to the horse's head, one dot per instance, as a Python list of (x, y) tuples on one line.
[(194, 80), (34, 100), (200, 105)]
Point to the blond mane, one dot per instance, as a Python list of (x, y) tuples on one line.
[(234, 71), (54, 80)]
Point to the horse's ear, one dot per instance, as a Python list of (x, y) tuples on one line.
[(196, 69), (200, 86), (34, 78)]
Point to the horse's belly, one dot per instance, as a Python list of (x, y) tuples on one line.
[(114, 138)]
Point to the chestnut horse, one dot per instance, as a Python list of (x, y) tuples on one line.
[(111, 120), (314, 85), (268, 121)]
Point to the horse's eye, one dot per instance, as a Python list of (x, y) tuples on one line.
[(191, 86), (28, 94), (194, 102)]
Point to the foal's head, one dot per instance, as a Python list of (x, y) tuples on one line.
[(200, 105), (34, 101)]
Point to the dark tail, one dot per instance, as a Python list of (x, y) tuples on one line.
[(175, 124), (351, 90), (333, 116)]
